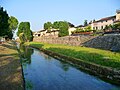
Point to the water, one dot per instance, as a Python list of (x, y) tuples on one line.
[(43, 72)]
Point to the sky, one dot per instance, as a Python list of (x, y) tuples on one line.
[(37, 12)]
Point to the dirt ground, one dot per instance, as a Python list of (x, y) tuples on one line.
[(10, 68)]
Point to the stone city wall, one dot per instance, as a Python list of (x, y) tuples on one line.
[(109, 42)]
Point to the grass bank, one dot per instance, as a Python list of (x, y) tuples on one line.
[(10, 68), (96, 56)]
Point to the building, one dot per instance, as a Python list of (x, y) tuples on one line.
[(70, 30), (102, 23), (95, 25), (53, 32), (42, 33), (39, 33)]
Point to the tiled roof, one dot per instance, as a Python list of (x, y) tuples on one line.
[(116, 21), (79, 26), (52, 31), (118, 11), (42, 30), (70, 24), (106, 18)]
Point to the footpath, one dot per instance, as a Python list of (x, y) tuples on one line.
[(10, 68)]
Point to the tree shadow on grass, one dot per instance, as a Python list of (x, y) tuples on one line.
[(87, 56), (9, 46), (10, 69), (10, 75), (14, 54)]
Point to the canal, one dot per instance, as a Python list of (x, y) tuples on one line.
[(42, 72)]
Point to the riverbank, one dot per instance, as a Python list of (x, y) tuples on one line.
[(107, 42), (10, 67), (104, 63)]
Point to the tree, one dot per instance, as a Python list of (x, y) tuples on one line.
[(27, 31), (20, 28), (13, 23), (106, 27), (63, 29), (9, 34), (71, 25), (48, 26), (4, 26), (31, 36), (116, 26), (22, 38), (24, 28), (93, 20), (88, 28), (85, 23), (56, 25)]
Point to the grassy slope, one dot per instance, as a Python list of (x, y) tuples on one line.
[(10, 68), (101, 57)]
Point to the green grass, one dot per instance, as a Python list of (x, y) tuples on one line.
[(10, 68), (97, 56)]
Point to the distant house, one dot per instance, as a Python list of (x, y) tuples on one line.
[(80, 26), (42, 33), (71, 29), (102, 23), (36, 34), (39, 33), (52, 33)]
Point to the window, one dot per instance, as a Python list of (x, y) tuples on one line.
[(38, 34), (96, 28), (113, 19), (101, 27), (106, 20)]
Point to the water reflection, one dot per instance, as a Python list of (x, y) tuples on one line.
[(64, 66), (45, 56), (26, 53), (43, 72)]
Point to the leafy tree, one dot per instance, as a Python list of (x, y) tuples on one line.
[(48, 26), (56, 25), (20, 28), (27, 31), (71, 25), (24, 28), (116, 26), (4, 26), (85, 23), (88, 28), (93, 20), (106, 27), (13, 23), (9, 34), (31, 36), (22, 37), (63, 29)]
